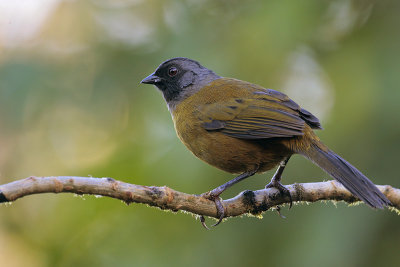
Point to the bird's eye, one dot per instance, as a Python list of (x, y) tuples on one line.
[(172, 71)]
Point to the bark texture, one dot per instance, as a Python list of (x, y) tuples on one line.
[(247, 202)]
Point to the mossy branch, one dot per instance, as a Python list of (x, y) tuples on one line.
[(247, 202)]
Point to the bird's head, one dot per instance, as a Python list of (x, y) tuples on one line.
[(179, 78)]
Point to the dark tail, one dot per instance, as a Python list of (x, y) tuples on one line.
[(346, 174)]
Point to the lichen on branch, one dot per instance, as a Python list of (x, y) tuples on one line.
[(247, 202)]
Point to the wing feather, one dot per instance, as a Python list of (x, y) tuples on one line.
[(263, 113)]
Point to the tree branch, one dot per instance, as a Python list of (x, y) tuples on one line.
[(247, 202)]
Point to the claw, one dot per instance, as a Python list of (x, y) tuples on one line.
[(220, 210), (282, 189), (291, 201), (203, 222), (278, 209), (216, 192), (218, 205), (276, 179)]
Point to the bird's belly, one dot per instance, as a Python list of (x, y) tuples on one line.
[(232, 154)]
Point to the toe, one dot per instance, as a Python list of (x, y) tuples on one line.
[(203, 222), (220, 210), (219, 206)]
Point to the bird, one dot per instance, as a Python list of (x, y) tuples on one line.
[(243, 128)]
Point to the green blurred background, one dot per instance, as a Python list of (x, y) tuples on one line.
[(71, 104)]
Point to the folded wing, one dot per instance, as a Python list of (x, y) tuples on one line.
[(265, 114)]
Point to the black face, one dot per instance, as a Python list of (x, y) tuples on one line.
[(172, 76), (170, 80)]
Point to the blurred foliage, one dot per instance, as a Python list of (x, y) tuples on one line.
[(71, 104)]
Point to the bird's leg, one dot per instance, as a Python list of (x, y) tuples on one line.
[(276, 182), (214, 195)]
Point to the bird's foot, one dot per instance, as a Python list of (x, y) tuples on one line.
[(218, 204), (278, 209), (282, 190)]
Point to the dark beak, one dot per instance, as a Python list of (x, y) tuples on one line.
[(151, 79)]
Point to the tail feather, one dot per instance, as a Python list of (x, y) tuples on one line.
[(351, 178)]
